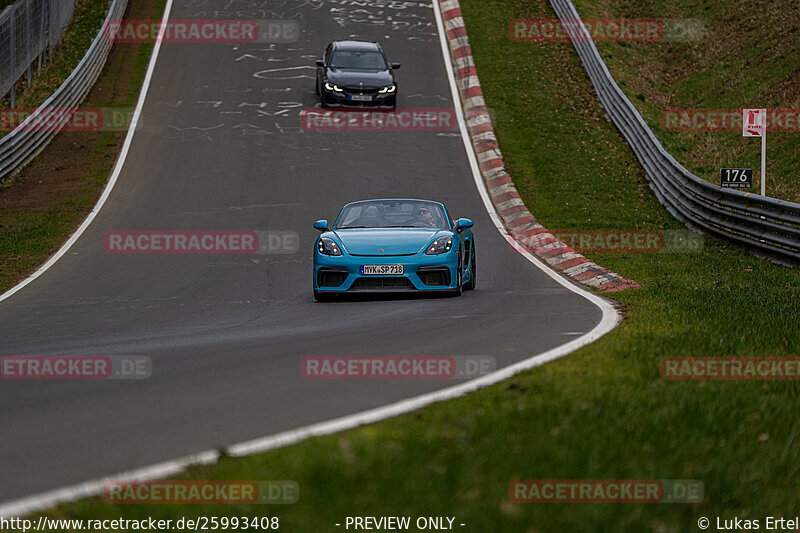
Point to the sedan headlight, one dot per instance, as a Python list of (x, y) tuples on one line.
[(327, 246), (440, 246), (333, 87), (389, 89)]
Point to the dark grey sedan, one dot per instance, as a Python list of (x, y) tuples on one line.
[(356, 73)]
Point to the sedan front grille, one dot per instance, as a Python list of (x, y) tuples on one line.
[(360, 90)]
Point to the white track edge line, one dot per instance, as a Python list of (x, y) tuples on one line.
[(114, 175), (607, 323)]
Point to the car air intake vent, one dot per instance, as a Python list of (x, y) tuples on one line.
[(434, 275), (331, 277), (382, 283)]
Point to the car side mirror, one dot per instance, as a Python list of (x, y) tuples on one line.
[(321, 225), (395, 66), (463, 223), (320, 63)]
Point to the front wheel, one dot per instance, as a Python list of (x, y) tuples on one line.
[(459, 287)]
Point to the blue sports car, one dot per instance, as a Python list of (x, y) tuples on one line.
[(394, 245)]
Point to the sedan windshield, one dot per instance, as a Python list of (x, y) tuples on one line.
[(358, 60), (393, 214)]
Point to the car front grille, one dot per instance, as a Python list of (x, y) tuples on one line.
[(360, 90)]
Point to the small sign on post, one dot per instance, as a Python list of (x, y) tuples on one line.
[(736, 178), (754, 124)]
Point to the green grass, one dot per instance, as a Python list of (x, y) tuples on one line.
[(601, 413), (745, 58), (29, 236)]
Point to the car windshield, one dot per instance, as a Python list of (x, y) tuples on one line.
[(393, 214), (358, 60)]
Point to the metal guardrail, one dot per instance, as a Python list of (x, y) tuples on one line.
[(27, 140), (29, 29), (769, 225)]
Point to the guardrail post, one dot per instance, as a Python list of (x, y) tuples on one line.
[(28, 43), (50, 16), (764, 155), (42, 42), (13, 56)]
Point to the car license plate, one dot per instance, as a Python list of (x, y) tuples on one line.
[(381, 270), (362, 97)]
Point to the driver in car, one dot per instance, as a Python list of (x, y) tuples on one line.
[(425, 218)]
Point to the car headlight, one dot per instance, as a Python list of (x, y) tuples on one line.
[(333, 87), (327, 246), (440, 246), (389, 89)]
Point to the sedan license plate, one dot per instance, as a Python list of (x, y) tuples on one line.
[(381, 270), (361, 97)]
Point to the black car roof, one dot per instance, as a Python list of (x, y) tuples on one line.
[(356, 45)]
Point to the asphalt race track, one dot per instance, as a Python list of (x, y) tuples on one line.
[(221, 147)]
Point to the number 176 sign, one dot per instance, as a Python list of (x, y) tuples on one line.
[(736, 178)]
